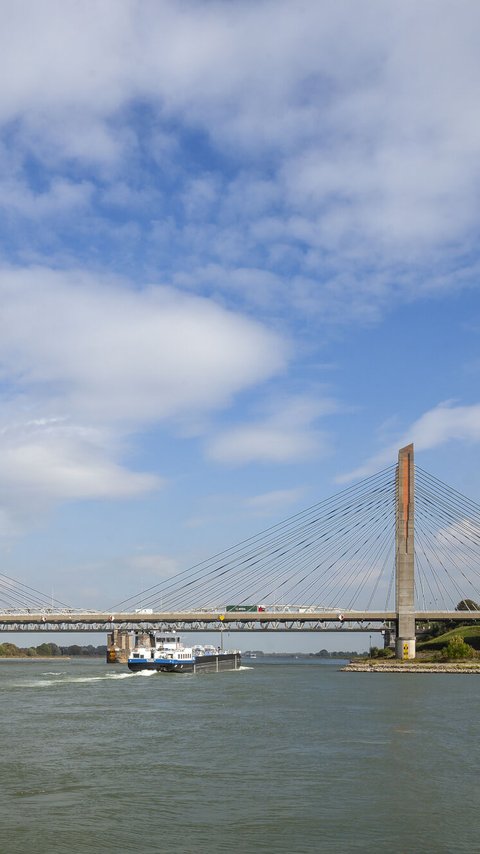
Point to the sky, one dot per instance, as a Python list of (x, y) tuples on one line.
[(239, 269)]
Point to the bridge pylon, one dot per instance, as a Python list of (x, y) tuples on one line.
[(404, 554)]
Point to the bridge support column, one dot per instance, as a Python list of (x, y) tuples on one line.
[(404, 555), (119, 646)]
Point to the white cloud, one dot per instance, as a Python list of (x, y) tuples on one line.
[(447, 422), (443, 423), (369, 122), (51, 459), (350, 143), (286, 435), (115, 354), (62, 196), (157, 565), (270, 503), (85, 363), (258, 287)]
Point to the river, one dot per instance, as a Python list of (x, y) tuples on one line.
[(282, 756)]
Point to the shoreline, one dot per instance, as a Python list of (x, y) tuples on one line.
[(33, 658), (410, 667)]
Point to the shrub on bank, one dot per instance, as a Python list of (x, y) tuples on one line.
[(457, 648), (376, 652)]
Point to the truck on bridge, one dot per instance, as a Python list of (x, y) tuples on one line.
[(242, 609)]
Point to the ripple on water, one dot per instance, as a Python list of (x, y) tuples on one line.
[(296, 759)]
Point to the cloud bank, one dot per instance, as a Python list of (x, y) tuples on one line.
[(114, 354), (288, 433), (306, 162), (444, 423), (281, 163), (87, 363)]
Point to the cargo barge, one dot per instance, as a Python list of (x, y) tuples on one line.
[(167, 654)]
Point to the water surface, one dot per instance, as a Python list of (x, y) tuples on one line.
[(281, 756)]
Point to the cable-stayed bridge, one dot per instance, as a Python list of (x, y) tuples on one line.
[(393, 551)]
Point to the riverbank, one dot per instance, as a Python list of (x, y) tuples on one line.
[(34, 658), (394, 666)]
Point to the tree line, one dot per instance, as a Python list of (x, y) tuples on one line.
[(51, 650)]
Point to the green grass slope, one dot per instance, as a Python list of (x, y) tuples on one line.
[(470, 634)]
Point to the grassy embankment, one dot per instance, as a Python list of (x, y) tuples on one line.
[(469, 634), (460, 643)]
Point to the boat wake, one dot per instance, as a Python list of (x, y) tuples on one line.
[(107, 676), (62, 678), (65, 680)]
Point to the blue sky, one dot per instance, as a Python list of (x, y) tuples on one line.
[(238, 268)]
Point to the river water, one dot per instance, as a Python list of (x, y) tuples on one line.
[(282, 756)]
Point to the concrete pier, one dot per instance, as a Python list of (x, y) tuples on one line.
[(119, 645), (404, 555)]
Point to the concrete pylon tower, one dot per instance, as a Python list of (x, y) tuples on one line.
[(404, 555)]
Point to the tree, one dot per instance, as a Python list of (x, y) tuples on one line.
[(457, 648), (8, 650), (74, 649), (467, 605), (48, 649)]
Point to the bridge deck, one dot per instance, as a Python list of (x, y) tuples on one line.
[(214, 620)]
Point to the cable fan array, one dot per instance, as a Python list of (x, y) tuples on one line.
[(339, 553), (16, 596), (447, 545)]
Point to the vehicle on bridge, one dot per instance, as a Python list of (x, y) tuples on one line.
[(242, 609)]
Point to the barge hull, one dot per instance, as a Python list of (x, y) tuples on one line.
[(202, 664)]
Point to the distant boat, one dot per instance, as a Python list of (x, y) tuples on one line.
[(167, 653)]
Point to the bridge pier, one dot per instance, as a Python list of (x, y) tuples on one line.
[(119, 645), (404, 555), (389, 638)]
